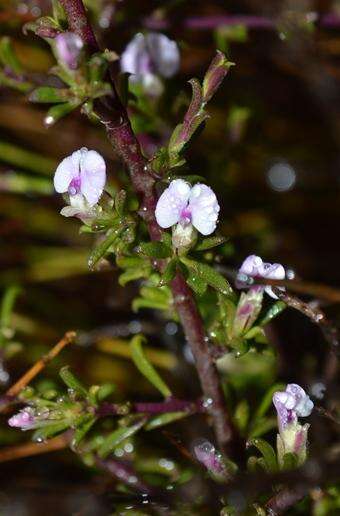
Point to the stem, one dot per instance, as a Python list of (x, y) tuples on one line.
[(29, 449), (40, 364), (284, 500), (115, 118), (170, 405)]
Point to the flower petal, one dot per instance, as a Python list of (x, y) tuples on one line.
[(204, 209), (173, 200), (251, 265), (66, 171), (93, 176), (164, 54), (303, 404), (136, 59)]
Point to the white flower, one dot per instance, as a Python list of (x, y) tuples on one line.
[(148, 57), (183, 204), (82, 175)]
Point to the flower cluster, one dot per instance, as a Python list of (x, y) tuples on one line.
[(254, 266), (290, 405), (82, 176), (149, 57)]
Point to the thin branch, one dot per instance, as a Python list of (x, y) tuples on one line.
[(315, 314), (30, 449), (165, 407), (123, 471), (116, 121), (40, 365), (326, 21), (284, 500)]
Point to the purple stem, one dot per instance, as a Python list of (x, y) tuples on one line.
[(114, 116), (328, 21), (170, 405), (123, 472)]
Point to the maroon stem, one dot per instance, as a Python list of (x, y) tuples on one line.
[(115, 118), (170, 405), (327, 21)]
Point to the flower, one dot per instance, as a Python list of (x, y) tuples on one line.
[(183, 204), (255, 267), (24, 419), (149, 56), (247, 311), (68, 48), (82, 175), (290, 405)]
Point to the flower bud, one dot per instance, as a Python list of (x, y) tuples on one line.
[(68, 48), (216, 72), (183, 237), (248, 309)]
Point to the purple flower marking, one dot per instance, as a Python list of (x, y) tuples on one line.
[(291, 404)]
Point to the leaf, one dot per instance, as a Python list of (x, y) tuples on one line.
[(131, 275), (7, 305), (268, 453), (157, 250), (241, 415), (81, 431), (165, 419), (58, 111), (47, 94), (120, 202), (197, 284), (196, 100), (273, 311), (139, 303), (169, 273), (290, 461), (8, 57), (267, 400), (210, 242), (102, 249), (145, 367), (119, 435), (262, 426), (72, 382), (209, 275), (41, 434)]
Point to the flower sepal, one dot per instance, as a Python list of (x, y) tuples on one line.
[(292, 441)]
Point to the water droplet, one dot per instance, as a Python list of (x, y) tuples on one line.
[(207, 403)]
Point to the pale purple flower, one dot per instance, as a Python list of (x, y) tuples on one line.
[(24, 419), (254, 266), (183, 204), (68, 48), (290, 405), (148, 57), (82, 175)]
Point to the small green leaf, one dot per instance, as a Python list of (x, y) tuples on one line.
[(72, 382), (131, 275), (102, 249), (41, 434), (47, 94), (117, 436), (209, 275), (139, 303), (145, 367), (120, 202), (155, 250), (268, 453), (165, 419), (210, 242), (81, 431), (58, 111), (267, 400), (8, 57), (7, 305), (169, 273), (241, 415), (290, 461), (197, 284), (262, 426), (273, 311)]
